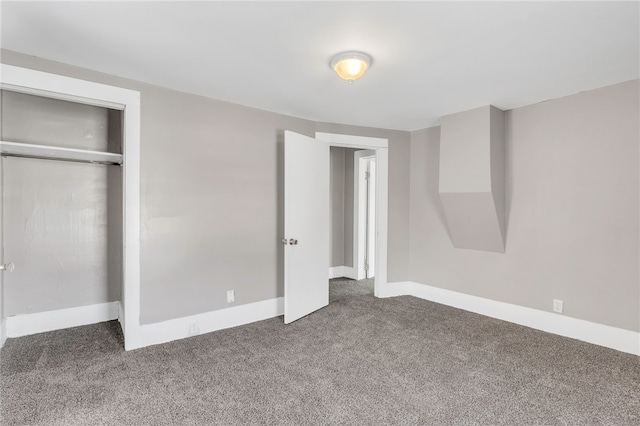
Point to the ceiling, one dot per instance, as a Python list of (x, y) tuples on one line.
[(429, 58)]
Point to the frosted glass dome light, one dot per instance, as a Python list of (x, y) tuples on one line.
[(350, 66)]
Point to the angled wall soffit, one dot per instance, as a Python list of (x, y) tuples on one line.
[(472, 178)]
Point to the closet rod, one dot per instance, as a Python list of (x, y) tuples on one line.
[(71, 160)]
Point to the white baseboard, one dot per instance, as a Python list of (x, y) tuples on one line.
[(401, 288), (341, 271), (598, 334), (336, 271), (3, 331), (179, 328), (121, 317), (24, 325)]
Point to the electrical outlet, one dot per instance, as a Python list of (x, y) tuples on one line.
[(194, 329), (558, 306), (231, 296)]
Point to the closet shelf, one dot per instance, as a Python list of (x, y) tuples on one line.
[(18, 149)]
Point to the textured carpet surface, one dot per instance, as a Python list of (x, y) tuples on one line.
[(361, 360)]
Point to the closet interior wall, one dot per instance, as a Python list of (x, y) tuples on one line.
[(62, 221)]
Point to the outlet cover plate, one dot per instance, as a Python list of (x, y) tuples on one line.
[(231, 296), (194, 329), (558, 306)]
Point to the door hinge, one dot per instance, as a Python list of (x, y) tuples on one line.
[(366, 265), (367, 175)]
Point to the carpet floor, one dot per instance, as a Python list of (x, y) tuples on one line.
[(359, 361)]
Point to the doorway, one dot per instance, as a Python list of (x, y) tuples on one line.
[(352, 221), (348, 192), (306, 218), (368, 198)]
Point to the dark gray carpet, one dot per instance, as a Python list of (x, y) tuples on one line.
[(361, 361)]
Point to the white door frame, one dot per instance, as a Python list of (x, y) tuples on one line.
[(370, 214), (359, 212), (381, 148), (86, 92)]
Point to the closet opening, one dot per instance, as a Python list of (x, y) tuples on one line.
[(62, 209)]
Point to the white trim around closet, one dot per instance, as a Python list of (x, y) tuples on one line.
[(39, 83)]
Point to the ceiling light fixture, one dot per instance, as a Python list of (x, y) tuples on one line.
[(350, 65)]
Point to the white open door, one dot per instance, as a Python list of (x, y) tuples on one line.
[(306, 225)]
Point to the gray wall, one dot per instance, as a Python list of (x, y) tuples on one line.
[(57, 232), (62, 220), (336, 206), (341, 206), (211, 193), (348, 206), (47, 121), (572, 211)]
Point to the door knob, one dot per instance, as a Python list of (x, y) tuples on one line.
[(9, 267), (293, 242), (285, 241)]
